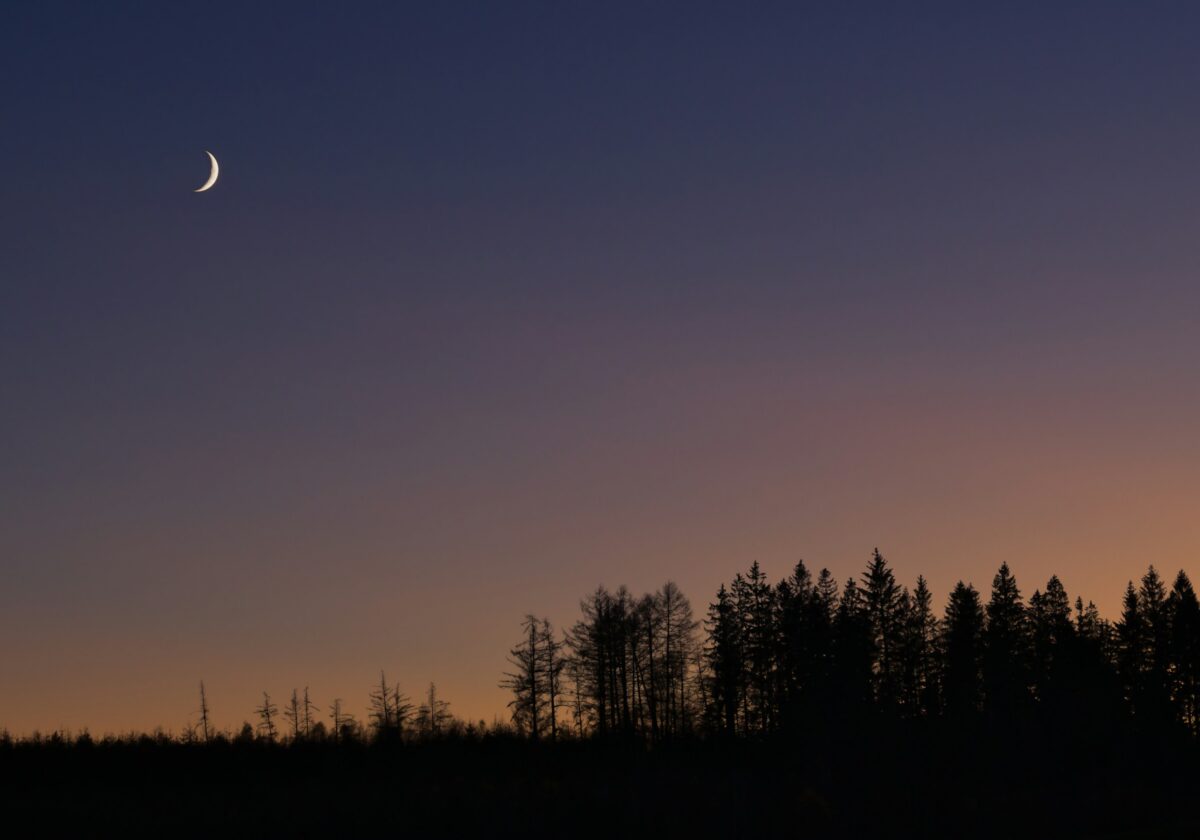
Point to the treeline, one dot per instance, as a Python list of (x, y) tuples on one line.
[(797, 657), (806, 653)]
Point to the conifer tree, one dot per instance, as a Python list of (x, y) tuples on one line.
[(963, 641), (1096, 697), (827, 592), (1052, 633), (1131, 644), (793, 596), (1184, 609), (854, 653), (1152, 601), (882, 608), (824, 613), (921, 654), (1006, 652), (755, 602), (805, 611), (1088, 624), (724, 661)]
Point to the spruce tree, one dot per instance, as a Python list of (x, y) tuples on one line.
[(723, 656), (923, 652), (853, 653), (1156, 650), (1185, 650), (1131, 642), (793, 595), (963, 642), (1052, 632), (755, 601), (881, 604), (1006, 653), (819, 691)]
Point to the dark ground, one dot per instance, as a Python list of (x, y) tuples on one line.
[(919, 783)]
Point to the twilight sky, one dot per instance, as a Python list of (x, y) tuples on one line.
[(497, 302)]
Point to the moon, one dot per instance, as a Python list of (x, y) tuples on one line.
[(212, 176)]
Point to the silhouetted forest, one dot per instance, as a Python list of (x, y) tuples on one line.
[(806, 706), (806, 653)]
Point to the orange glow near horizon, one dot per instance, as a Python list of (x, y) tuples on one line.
[(323, 588)]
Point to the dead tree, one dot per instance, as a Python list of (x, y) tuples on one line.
[(433, 714), (381, 706), (402, 708), (343, 723), (205, 721), (390, 708), (309, 708), (267, 713), (553, 662), (525, 682), (294, 714)]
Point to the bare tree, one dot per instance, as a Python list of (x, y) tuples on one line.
[(604, 642), (381, 706), (525, 682), (309, 708), (645, 643), (575, 672), (390, 708), (433, 714), (401, 708), (553, 663), (343, 723), (267, 713), (294, 714), (629, 665), (205, 721), (678, 643)]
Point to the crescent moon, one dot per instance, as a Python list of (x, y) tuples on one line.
[(212, 176)]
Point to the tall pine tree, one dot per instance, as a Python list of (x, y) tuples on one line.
[(963, 645), (1006, 648), (882, 607)]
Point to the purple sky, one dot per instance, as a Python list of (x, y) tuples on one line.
[(494, 305)]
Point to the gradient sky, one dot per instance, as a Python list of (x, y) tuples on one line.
[(497, 302)]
